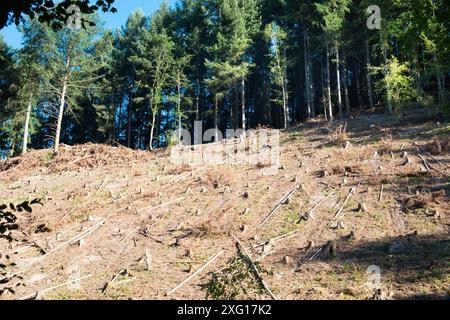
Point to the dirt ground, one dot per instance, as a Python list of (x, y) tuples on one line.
[(372, 191)]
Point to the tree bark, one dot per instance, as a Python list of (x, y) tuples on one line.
[(388, 89), (358, 86), (347, 100), (330, 107), (152, 131), (236, 105), (322, 85), (197, 101), (129, 113), (27, 124), (243, 103), (338, 75), (180, 125), (285, 90), (307, 73), (13, 146), (62, 104), (369, 77), (285, 109), (439, 83), (216, 111)]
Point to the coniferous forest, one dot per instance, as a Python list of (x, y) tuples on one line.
[(227, 63)]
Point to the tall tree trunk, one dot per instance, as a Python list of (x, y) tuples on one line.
[(157, 133), (388, 89), (417, 72), (369, 77), (197, 101), (236, 105), (347, 100), (439, 83), (216, 111), (330, 107), (307, 73), (119, 120), (285, 90), (243, 103), (129, 113), (322, 85), (230, 101), (444, 98), (358, 86), (13, 146), (180, 125), (62, 104), (285, 109), (152, 131), (27, 124), (112, 133), (338, 76)]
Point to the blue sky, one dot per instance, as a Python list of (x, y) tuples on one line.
[(124, 7)]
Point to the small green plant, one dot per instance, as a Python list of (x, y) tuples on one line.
[(48, 157), (238, 280)]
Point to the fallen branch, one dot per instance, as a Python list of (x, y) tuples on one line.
[(195, 273), (316, 254), (101, 186), (311, 212), (30, 296), (429, 165), (425, 163), (161, 205), (284, 236), (106, 286), (129, 234), (255, 268), (76, 238), (84, 204), (279, 204), (345, 202)]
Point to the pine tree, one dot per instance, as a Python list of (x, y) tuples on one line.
[(277, 39), (130, 47), (74, 68), (155, 62), (333, 13)]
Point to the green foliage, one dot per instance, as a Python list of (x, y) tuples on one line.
[(54, 13), (333, 14), (238, 23), (397, 83), (8, 217), (48, 157), (237, 281), (277, 37), (8, 224), (160, 73)]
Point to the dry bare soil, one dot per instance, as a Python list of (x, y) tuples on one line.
[(131, 225)]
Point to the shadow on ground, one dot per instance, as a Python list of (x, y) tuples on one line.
[(405, 262)]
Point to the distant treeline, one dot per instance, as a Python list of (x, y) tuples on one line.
[(228, 63)]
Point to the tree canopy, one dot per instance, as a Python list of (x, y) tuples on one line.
[(51, 12)]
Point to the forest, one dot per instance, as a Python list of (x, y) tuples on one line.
[(227, 63)]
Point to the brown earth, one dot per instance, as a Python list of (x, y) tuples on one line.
[(105, 207)]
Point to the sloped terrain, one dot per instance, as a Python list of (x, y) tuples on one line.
[(131, 225)]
